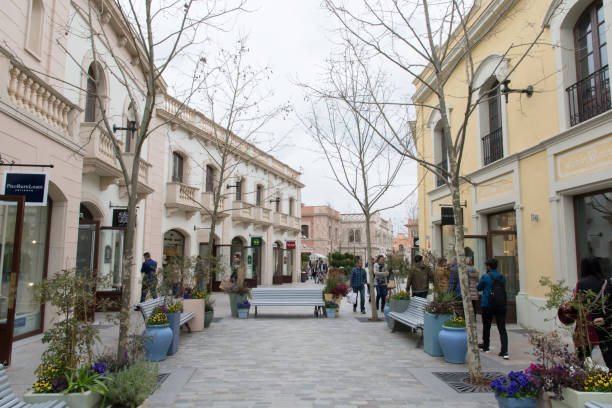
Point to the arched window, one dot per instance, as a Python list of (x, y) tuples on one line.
[(492, 141), (590, 96), (35, 27), (177, 167), (351, 237), (95, 81), (305, 231), (210, 179), (358, 236)]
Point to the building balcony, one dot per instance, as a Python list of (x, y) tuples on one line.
[(207, 207), (285, 222), (493, 147), (589, 97), (181, 197), (144, 168), (99, 154)]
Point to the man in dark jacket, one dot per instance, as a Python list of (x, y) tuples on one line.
[(358, 280), (489, 311), (149, 277), (419, 278)]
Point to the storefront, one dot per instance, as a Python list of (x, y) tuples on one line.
[(283, 263), (593, 220)]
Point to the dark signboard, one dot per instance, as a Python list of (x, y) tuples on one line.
[(120, 218), (256, 241), (447, 216), (415, 242), (32, 185)]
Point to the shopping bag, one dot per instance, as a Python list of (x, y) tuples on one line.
[(352, 298), (391, 284)]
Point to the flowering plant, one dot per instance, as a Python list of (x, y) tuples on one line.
[(157, 319), (516, 384), (456, 322), (598, 382), (243, 305), (175, 307), (50, 380), (194, 293), (403, 295), (331, 305), (160, 309)]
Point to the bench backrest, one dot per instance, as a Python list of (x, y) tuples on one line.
[(259, 294), (147, 307), (416, 307), (5, 388)]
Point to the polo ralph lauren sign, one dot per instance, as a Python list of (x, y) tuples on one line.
[(33, 186)]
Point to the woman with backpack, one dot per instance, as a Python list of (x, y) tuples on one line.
[(493, 303)]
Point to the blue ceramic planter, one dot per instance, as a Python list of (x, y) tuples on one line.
[(386, 312), (330, 311), (174, 319), (243, 313), (453, 341), (504, 402), (431, 330), (157, 340)]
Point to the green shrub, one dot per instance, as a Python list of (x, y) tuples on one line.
[(403, 295), (130, 386)]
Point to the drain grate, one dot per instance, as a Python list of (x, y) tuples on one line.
[(367, 320), (217, 319), (160, 379), (458, 381)]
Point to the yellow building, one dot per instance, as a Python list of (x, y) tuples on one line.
[(540, 168)]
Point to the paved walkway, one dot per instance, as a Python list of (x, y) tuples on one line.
[(288, 358)]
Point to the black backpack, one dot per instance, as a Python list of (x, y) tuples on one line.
[(497, 296)]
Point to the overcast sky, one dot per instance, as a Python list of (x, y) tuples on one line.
[(294, 38)]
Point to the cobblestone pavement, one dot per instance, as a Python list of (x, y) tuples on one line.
[(288, 358)]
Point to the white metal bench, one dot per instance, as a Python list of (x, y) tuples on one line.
[(146, 308), (413, 316), (288, 297), (9, 399)]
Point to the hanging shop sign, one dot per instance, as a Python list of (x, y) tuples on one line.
[(447, 215), (256, 241), (290, 245), (34, 186), (415, 242), (120, 218)]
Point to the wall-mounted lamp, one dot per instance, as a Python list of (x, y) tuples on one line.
[(276, 200), (231, 186), (505, 90), (131, 129)]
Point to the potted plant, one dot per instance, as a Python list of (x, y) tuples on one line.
[(331, 308), (173, 311), (243, 309), (398, 303), (335, 288), (209, 310), (517, 390), (237, 293), (193, 301), (437, 312), (453, 340), (157, 337), (63, 371)]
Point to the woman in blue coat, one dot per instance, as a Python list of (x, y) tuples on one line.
[(489, 311)]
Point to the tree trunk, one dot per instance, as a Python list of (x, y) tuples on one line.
[(473, 356), (371, 266)]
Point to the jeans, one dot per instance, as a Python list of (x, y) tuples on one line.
[(148, 285), (381, 295), (500, 319), (361, 294)]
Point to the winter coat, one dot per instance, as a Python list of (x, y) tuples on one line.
[(486, 283), (419, 278), (442, 274)]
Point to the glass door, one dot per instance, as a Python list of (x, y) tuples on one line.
[(87, 254), (11, 223), (110, 269)]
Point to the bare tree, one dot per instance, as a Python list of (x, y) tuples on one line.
[(424, 40), (234, 96), (154, 45), (362, 164)]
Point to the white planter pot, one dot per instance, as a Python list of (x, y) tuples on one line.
[(74, 400), (573, 398)]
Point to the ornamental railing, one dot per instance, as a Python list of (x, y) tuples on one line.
[(493, 146), (589, 97)]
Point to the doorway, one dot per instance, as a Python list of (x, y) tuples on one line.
[(11, 228)]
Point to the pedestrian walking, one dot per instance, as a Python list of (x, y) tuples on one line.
[(473, 277), (593, 324), (358, 280), (442, 275), (419, 278), (149, 277), (454, 286), (493, 303), (380, 278)]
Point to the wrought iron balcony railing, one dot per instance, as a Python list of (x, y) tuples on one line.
[(493, 146), (590, 96)]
